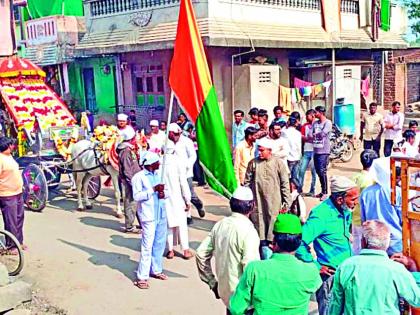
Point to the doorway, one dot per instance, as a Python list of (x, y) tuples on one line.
[(89, 85)]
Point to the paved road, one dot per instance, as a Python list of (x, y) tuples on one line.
[(83, 263)]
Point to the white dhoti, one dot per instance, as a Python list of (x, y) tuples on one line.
[(179, 235)]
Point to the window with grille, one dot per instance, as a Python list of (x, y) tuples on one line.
[(348, 73), (264, 77)]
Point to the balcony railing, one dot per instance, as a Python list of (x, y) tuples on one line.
[(41, 31), (350, 6), (298, 4), (106, 7)]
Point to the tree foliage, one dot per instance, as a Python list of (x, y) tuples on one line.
[(413, 7)]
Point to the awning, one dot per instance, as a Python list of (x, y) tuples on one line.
[(231, 34), (46, 55)]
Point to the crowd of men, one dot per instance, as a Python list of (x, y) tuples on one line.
[(264, 262), (264, 251)]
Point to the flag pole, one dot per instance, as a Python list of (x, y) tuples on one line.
[(171, 104)]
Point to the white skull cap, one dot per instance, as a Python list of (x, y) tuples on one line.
[(243, 193), (127, 133), (154, 123), (150, 158), (122, 117), (174, 128), (266, 143)]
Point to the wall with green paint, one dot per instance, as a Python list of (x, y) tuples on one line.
[(104, 83)]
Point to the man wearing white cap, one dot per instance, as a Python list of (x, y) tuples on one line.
[(123, 126), (157, 137), (328, 228), (178, 202), (233, 242), (128, 167), (268, 177), (150, 194), (184, 148)]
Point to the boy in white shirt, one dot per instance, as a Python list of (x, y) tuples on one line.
[(294, 139)]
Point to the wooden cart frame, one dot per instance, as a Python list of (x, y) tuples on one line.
[(410, 218)]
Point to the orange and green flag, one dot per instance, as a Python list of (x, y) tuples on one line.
[(190, 80)]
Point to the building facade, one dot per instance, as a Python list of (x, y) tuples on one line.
[(290, 38)]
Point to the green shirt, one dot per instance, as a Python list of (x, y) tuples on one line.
[(371, 283), (329, 230), (279, 285)]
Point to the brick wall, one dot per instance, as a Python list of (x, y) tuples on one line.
[(389, 85), (413, 82), (406, 56), (402, 73)]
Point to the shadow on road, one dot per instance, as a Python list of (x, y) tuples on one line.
[(130, 243), (202, 224), (63, 205), (115, 261), (102, 223), (218, 210), (194, 244)]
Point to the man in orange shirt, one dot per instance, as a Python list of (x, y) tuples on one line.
[(11, 187)]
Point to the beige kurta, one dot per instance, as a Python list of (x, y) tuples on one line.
[(269, 181)]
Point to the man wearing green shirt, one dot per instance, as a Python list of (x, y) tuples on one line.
[(371, 283), (328, 228), (282, 284)]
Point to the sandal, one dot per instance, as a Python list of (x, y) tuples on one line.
[(170, 254), (187, 254), (141, 284), (160, 276), (132, 230)]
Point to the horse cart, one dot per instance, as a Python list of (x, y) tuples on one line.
[(44, 130)]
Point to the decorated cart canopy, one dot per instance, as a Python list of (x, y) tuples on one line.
[(27, 98)]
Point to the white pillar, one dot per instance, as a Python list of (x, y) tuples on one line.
[(66, 78), (119, 80)]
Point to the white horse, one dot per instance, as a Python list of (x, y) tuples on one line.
[(87, 158)]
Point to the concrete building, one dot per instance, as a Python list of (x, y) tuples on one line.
[(251, 45)]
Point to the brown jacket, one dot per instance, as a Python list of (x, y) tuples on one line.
[(128, 162)]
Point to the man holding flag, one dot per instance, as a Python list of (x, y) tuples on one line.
[(191, 83)]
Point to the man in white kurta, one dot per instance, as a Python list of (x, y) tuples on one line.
[(184, 149), (157, 137), (178, 202), (150, 194)]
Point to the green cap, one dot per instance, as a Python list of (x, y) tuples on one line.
[(288, 224)]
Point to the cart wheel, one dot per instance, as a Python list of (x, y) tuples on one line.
[(13, 263), (94, 187), (35, 194), (53, 180)]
